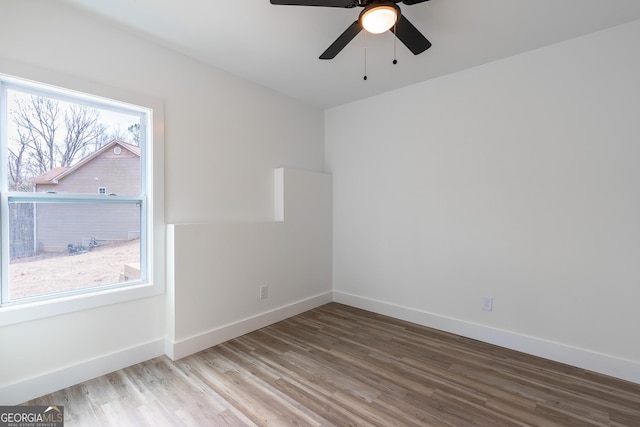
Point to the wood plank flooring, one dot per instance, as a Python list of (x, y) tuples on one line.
[(341, 366)]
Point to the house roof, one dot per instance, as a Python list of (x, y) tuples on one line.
[(54, 175), (50, 177)]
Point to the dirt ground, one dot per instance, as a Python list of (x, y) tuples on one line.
[(42, 274)]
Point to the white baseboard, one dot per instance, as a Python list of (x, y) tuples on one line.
[(605, 364), (32, 388), (178, 350)]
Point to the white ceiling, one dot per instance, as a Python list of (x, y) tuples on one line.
[(278, 46)]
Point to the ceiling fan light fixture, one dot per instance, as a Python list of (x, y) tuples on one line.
[(379, 19)]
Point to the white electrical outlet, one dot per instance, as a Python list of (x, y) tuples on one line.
[(487, 303), (264, 292)]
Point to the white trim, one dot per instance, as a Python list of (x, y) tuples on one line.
[(22, 312), (153, 163), (196, 343), (602, 363), (32, 388)]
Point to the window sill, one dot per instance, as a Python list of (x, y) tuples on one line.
[(11, 314)]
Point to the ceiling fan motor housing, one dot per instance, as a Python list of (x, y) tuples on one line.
[(404, 30)]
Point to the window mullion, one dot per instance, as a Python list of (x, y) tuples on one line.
[(4, 249), (4, 206), (71, 198)]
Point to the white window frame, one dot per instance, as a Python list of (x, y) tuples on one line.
[(151, 282)]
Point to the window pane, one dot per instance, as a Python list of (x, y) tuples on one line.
[(66, 147), (75, 190), (56, 247)]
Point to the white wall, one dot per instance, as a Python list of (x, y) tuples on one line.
[(216, 270), (518, 180), (223, 139)]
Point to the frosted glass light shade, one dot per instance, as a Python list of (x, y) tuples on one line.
[(379, 19)]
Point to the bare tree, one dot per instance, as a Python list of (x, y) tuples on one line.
[(37, 119), (83, 127), (17, 167), (50, 134), (134, 130), (116, 133)]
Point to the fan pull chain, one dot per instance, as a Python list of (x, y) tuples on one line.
[(365, 55), (395, 39)]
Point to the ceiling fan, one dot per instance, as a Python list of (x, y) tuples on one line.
[(377, 17)]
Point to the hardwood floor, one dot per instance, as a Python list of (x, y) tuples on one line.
[(341, 366)]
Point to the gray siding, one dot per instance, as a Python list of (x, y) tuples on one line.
[(58, 224), (119, 174)]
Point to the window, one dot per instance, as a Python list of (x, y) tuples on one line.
[(61, 239)]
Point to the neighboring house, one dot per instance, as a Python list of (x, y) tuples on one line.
[(112, 170)]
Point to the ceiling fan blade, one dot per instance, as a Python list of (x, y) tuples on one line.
[(325, 3), (410, 36), (342, 41), (410, 2)]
